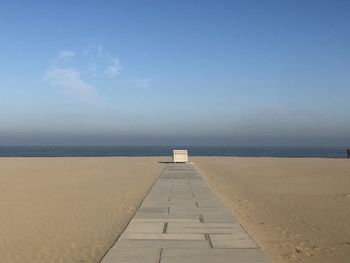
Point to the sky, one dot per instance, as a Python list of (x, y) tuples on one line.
[(261, 73)]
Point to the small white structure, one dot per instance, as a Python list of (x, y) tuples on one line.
[(180, 156)]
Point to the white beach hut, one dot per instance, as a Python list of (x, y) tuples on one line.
[(180, 156)]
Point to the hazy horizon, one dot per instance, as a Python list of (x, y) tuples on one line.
[(102, 140), (238, 73)]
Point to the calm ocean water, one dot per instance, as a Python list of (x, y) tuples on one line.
[(27, 151)]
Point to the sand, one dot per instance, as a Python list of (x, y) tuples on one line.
[(73, 209), (298, 210), (68, 209)]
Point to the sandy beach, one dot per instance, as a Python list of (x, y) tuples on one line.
[(68, 209), (298, 210), (73, 209)]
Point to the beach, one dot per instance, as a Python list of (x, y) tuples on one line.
[(68, 209), (297, 209), (73, 209)]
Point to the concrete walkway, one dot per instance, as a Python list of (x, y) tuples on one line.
[(181, 220)]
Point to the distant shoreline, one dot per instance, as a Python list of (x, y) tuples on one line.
[(153, 151), (152, 156)]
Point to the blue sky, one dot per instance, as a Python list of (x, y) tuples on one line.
[(175, 72)]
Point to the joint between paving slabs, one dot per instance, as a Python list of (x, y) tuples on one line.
[(207, 237), (165, 227), (160, 255)]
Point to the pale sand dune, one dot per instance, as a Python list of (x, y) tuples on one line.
[(298, 210), (68, 209)]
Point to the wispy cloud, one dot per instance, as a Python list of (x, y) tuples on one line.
[(102, 62), (113, 69), (64, 57), (69, 71), (143, 83), (73, 72), (70, 81), (62, 75), (65, 54)]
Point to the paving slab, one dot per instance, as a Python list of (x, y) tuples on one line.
[(182, 220), (239, 239), (166, 220), (205, 228), (188, 244), (144, 227), (213, 256), (163, 236)]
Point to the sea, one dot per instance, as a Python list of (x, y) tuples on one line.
[(81, 151)]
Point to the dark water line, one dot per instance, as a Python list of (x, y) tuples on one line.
[(86, 151)]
